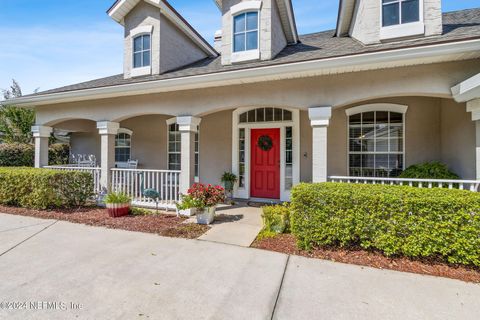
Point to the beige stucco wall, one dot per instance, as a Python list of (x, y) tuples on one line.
[(215, 146), (366, 22), (458, 139), (435, 130)]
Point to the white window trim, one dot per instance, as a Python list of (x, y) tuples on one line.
[(390, 107), (170, 122), (244, 193), (405, 29), (241, 8), (134, 33), (130, 133)]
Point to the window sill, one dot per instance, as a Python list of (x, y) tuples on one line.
[(402, 30), (245, 56), (144, 71)]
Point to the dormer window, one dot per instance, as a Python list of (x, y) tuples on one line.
[(395, 12), (401, 18), (141, 51), (245, 32)]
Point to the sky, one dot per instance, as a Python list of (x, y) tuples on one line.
[(51, 43)]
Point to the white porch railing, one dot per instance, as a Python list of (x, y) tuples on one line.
[(95, 171), (472, 185), (134, 182)]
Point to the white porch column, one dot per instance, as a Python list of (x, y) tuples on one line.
[(41, 135), (473, 106), (319, 119), (187, 126), (107, 131)]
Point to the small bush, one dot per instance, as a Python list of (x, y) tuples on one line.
[(58, 154), (42, 188), (396, 220), (16, 155), (276, 219), (117, 198), (429, 170)]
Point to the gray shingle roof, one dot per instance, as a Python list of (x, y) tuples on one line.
[(457, 26)]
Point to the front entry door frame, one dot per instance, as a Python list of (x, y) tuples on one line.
[(244, 193)]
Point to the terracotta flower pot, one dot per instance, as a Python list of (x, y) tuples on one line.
[(116, 210)]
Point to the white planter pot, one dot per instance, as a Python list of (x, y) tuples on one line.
[(187, 212), (206, 216)]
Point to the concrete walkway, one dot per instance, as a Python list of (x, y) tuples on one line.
[(237, 225), (96, 273)]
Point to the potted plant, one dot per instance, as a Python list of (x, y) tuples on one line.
[(118, 204), (204, 199), (229, 180)]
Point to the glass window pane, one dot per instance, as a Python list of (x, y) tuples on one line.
[(355, 145), (396, 145), (381, 117), (396, 117), (410, 11), (287, 115), (368, 117), (396, 131), (260, 115), (278, 114), (137, 60), (239, 42), (368, 131), (252, 20), (382, 130), (252, 40), (268, 114), (289, 157), (146, 58), (239, 24), (137, 44), (146, 42), (355, 132), (242, 133), (288, 132), (382, 145), (355, 119), (368, 145), (251, 116), (243, 117), (391, 14)]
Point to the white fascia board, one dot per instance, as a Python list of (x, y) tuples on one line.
[(345, 64), (467, 90)]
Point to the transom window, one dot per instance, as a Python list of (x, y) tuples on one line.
[(245, 32), (265, 115), (376, 144), (395, 12), (123, 144), (141, 51)]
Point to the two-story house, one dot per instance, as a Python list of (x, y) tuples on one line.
[(396, 84)]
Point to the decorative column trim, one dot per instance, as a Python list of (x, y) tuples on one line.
[(107, 127), (41, 131), (188, 123), (320, 116)]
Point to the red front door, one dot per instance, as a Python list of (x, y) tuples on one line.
[(265, 163)]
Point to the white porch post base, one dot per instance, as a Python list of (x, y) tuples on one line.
[(41, 135), (320, 119), (187, 126), (107, 131)]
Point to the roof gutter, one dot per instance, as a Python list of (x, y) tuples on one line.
[(342, 64)]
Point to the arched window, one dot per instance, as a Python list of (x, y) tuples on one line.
[(245, 31), (265, 115), (141, 51), (123, 145), (376, 140)]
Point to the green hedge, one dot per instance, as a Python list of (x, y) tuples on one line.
[(395, 220), (42, 188), (276, 219), (58, 154), (429, 170), (16, 155)]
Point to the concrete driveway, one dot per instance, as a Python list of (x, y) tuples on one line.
[(72, 271)]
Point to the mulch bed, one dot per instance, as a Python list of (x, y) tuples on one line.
[(286, 243), (162, 224)]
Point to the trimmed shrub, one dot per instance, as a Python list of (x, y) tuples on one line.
[(396, 220), (429, 170), (16, 155), (58, 154), (43, 188), (276, 219)]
